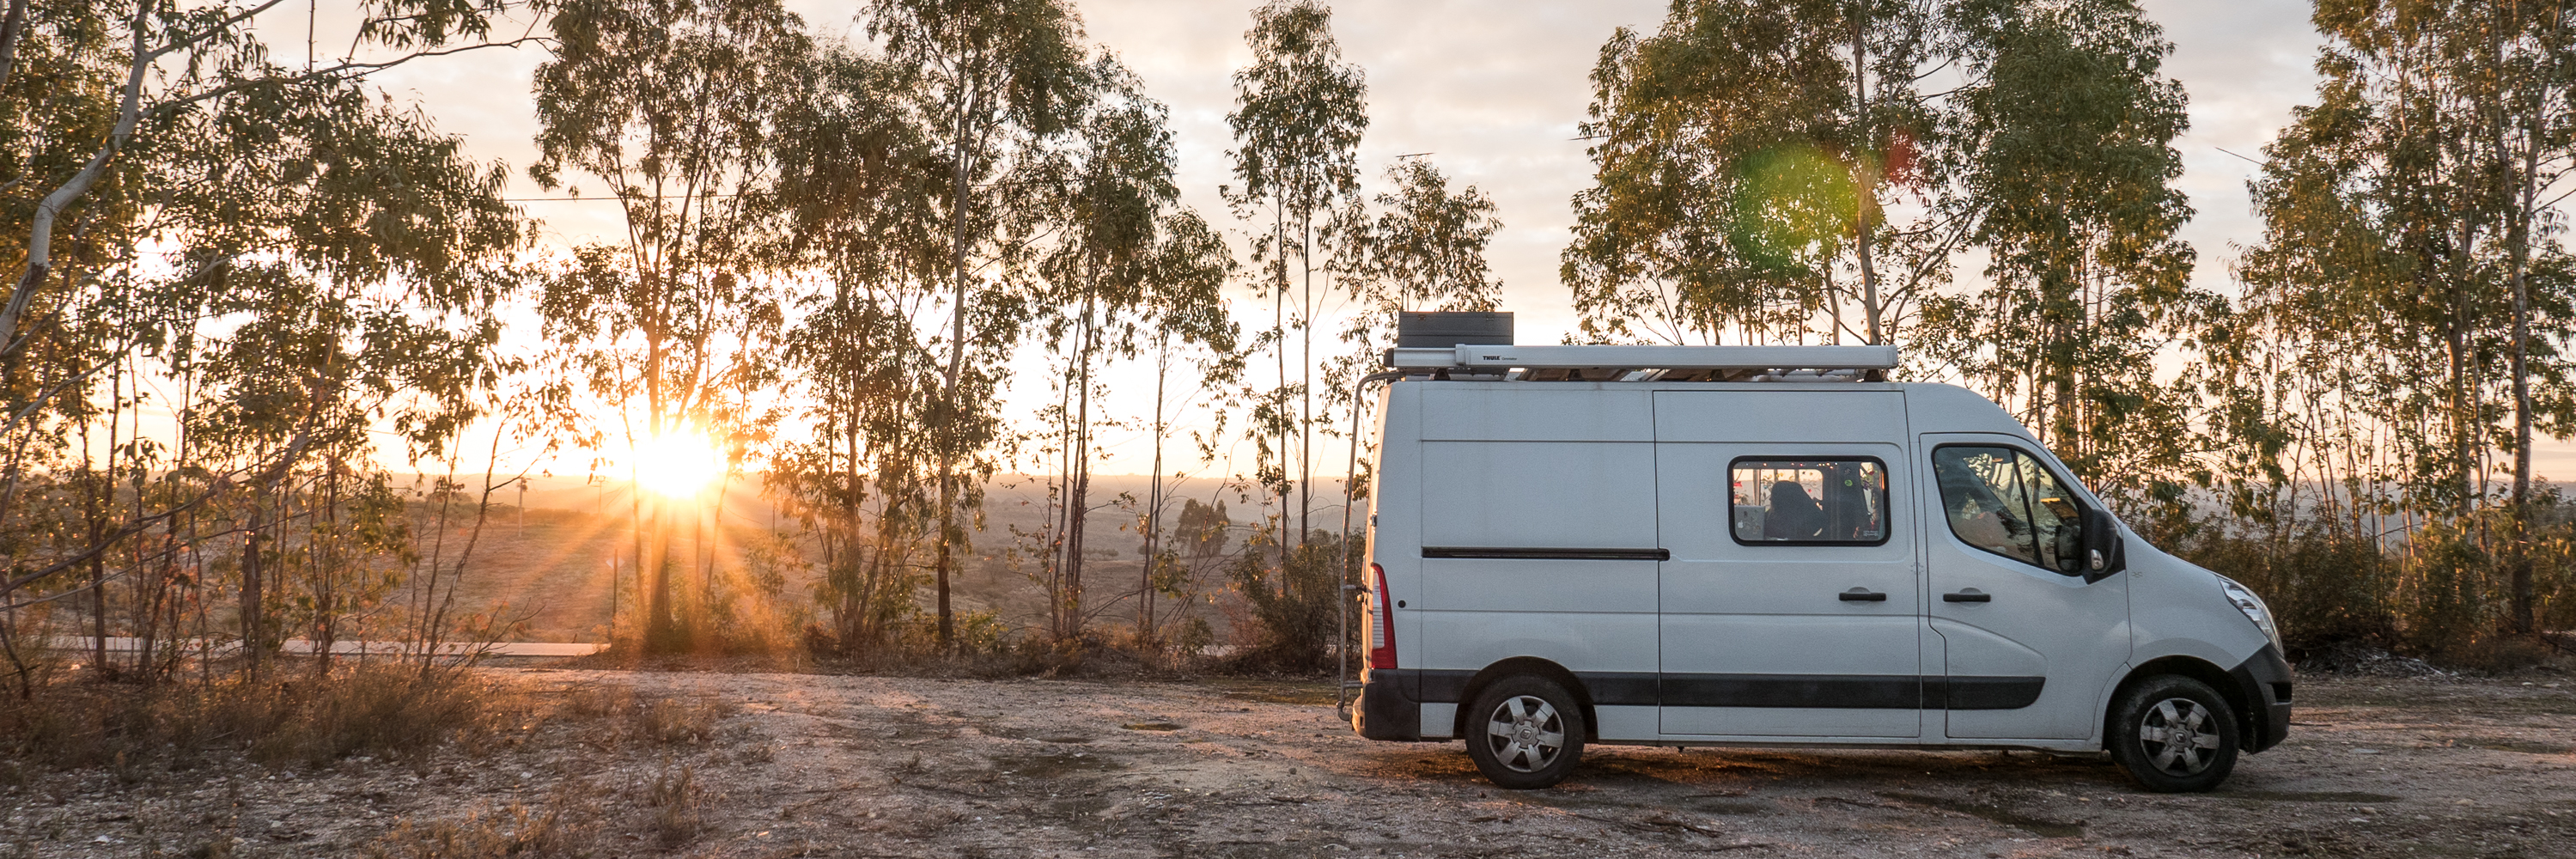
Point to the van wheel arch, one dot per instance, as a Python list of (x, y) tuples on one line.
[(1534, 666), (2248, 713)]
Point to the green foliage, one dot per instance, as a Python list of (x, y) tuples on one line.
[(2063, 151), (997, 80), (277, 259), (1296, 605), (1426, 250), (2401, 337), (1743, 154), (1300, 112)]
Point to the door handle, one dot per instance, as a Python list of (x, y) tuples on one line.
[(1969, 595), (1862, 595)]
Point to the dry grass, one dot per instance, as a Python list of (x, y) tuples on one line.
[(675, 799), (286, 718), (622, 718), (568, 824)]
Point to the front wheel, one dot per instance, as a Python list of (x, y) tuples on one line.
[(2174, 735), (1525, 732)]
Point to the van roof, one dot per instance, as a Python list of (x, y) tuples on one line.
[(1648, 363)]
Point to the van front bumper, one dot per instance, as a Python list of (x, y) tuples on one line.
[(1387, 709), (2264, 680)]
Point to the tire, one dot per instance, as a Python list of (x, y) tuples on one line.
[(2173, 734), (1525, 732)]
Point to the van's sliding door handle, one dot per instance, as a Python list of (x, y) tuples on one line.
[(1969, 595), (1861, 595)]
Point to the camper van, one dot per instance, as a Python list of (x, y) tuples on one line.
[(1772, 546)]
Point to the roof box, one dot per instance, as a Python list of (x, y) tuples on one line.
[(1442, 330)]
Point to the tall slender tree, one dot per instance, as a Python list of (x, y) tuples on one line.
[(2409, 276), (1001, 78), (861, 188), (1125, 247), (2063, 143), (1299, 114)]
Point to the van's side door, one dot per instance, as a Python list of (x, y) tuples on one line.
[(1790, 603), (2029, 643)]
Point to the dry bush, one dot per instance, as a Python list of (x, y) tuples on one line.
[(624, 717), (306, 719), (676, 799), (567, 824)]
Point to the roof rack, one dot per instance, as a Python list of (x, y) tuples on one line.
[(1648, 363)]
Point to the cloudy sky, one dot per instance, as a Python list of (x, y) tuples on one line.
[(1493, 89)]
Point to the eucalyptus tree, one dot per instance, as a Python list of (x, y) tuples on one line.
[(2062, 143), (1745, 154), (1425, 250), (2531, 131), (860, 187), (670, 104), (2409, 283), (1191, 326), (1299, 114), (175, 59), (297, 260), (999, 80), (1127, 259)]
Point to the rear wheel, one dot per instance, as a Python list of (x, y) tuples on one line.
[(2174, 735), (1525, 732)]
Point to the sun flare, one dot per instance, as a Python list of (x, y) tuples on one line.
[(678, 465)]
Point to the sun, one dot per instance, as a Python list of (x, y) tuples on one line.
[(679, 464)]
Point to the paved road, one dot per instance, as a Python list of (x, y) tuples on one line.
[(121, 644)]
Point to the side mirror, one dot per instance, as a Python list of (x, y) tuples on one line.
[(2105, 551)]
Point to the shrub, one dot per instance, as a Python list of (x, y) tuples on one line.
[(1296, 605)]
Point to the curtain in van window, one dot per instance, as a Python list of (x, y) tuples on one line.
[(2004, 501)]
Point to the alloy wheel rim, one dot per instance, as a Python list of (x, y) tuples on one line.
[(2180, 736), (1525, 733)]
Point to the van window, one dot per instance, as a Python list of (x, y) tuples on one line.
[(2004, 501), (1809, 501)]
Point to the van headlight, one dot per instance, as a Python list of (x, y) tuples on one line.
[(2245, 601)]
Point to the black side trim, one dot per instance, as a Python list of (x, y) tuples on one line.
[(1545, 554), (1836, 691), (1873, 692), (1621, 688), (1386, 709), (1981, 693), (1440, 686), (2264, 679)]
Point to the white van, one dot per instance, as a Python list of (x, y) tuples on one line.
[(1763, 546)]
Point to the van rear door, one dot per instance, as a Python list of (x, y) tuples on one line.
[(1791, 604)]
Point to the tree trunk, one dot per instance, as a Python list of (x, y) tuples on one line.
[(1078, 504), (2518, 564), (1867, 175), (252, 635), (11, 28), (1153, 498)]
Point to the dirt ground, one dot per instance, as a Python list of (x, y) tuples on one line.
[(800, 765)]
